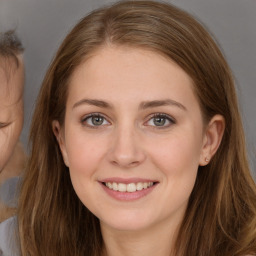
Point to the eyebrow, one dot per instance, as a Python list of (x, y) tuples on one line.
[(160, 103), (143, 105), (93, 102)]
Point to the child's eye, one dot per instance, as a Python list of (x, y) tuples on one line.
[(160, 120), (95, 120), (2, 125)]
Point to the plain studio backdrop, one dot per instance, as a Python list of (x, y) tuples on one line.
[(42, 25)]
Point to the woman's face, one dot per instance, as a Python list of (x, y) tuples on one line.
[(133, 137), (11, 107)]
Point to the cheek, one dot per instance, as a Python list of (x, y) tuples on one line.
[(177, 160), (8, 140), (5, 150), (177, 157), (84, 155), (177, 152)]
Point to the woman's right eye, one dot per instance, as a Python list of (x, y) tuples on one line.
[(94, 120)]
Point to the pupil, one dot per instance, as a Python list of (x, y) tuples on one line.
[(159, 121), (97, 120)]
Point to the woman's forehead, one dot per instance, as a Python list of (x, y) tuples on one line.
[(125, 75)]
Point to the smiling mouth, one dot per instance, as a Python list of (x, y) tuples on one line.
[(130, 187)]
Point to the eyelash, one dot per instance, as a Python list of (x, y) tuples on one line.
[(166, 117)]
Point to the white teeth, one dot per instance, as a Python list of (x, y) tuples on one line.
[(121, 187), (115, 186), (131, 187), (139, 186), (109, 185)]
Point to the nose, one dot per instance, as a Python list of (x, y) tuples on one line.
[(126, 149)]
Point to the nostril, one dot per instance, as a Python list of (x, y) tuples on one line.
[(134, 163)]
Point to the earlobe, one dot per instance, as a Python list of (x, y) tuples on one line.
[(59, 136), (212, 138)]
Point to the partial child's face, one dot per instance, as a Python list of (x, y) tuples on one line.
[(11, 107), (133, 138)]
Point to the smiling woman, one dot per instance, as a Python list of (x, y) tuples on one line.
[(137, 135), (135, 145)]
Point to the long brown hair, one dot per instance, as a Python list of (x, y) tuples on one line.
[(221, 214)]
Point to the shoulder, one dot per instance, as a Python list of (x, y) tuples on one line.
[(8, 237)]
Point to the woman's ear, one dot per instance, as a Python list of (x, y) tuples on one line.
[(58, 132), (212, 138)]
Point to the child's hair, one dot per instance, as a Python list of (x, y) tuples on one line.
[(10, 49), (10, 45), (221, 215)]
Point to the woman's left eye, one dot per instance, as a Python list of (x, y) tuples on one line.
[(160, 120), (95, 120)]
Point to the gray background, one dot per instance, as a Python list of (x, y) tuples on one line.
[(43, 24)]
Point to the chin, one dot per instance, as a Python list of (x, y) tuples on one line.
[(127, 221)]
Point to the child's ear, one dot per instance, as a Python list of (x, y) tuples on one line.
[(59, 134), (212, 138)]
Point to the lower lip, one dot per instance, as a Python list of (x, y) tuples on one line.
[(128, 196)]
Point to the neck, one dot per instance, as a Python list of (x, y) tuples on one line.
[(159, 239)]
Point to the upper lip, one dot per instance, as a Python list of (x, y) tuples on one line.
[(126, 180)]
